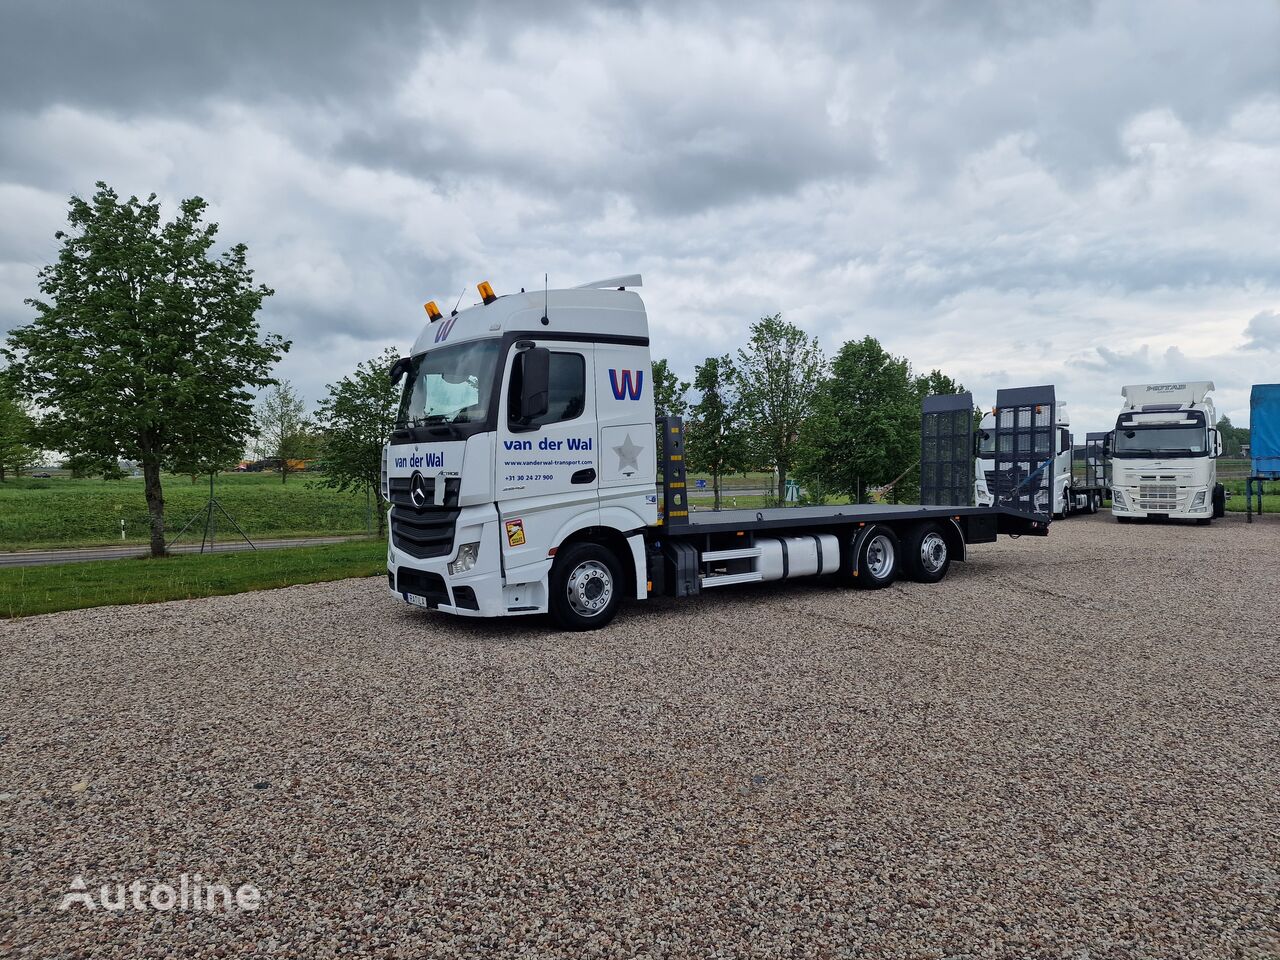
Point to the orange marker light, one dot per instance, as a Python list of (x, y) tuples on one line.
[(486, 292), (432, 310)]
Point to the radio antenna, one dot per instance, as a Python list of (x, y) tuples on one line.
[(545, 296), (454, 312)]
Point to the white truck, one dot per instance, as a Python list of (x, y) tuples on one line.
[(1070, 493), (521, 477), (1164, 452)]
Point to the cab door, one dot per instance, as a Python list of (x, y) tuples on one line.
[(547, 468), (628, 439)]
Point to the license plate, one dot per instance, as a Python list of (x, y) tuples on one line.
[(418, 601)]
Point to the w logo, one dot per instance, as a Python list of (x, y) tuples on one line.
[(445, 329), (628, 385)]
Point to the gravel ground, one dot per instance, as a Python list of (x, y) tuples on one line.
[(1067, 749)]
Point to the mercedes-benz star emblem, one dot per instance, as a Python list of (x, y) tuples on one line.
[(418, 490)]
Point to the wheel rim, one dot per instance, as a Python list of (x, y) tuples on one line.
[(879, 556), (933, 552), (589, 588)]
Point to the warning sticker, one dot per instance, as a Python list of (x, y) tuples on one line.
[(515, 533)]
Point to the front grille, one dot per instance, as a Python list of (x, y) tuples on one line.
[(429, 586), (427, 531), (1157, 496)]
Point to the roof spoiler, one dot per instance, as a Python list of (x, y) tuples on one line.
[(621, 283), (1191, 391)]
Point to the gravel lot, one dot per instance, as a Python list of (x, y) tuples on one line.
[(1067, 749)]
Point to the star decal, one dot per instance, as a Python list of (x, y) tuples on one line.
[(628, 456)]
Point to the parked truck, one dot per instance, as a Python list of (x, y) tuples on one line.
[(1164, 452), (1068, 492), (1264, 444), (522, 477)]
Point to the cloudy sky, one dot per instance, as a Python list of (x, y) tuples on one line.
[(1064, 192)]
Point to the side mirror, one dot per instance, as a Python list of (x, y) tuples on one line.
[(1215, 442), (1107, 441), (533, 374), (399, 369)]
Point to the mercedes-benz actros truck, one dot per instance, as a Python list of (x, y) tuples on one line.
[(1164, 452), (522, 477)]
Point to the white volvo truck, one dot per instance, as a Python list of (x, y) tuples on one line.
[(1164, 453), (1070, 494), (521, 477)]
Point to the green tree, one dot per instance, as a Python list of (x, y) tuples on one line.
[(356, 420), (715, 442), (778, 375), (669, 391), (1233, 437), (284, 433), (865, 430), (18, 448), (146, 345)]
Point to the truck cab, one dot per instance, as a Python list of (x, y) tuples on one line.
[(526, 427), (1164, 452), (1065, 498)]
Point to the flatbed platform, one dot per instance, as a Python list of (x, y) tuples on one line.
[(781, 518)]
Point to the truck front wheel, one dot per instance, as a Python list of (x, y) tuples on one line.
[(585, 587), (1219, 501)]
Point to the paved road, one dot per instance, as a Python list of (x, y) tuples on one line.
[(31, 558)]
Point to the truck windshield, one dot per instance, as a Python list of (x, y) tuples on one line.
[(450, 385), (1160, 441)]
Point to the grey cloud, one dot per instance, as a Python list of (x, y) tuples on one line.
[(985, 186), (1263, 331)]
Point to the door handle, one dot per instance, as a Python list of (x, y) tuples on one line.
[(584, 476)]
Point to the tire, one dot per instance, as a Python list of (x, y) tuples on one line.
[(878, 559), (1124, 519), (586, 587), (1219, 501), (1095, 501), (926, 554)]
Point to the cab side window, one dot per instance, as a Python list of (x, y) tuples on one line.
[(568, 394)]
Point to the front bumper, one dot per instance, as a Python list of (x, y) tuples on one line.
[(484, 590), (1176, 502)]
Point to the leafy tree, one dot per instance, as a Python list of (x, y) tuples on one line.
[(935, 383), (356, 419), (1233, 437), (715, 442), (668, 399), (865, 430), (778, 375), (145, 345), (17, 433), (284, 433), (669, 391)]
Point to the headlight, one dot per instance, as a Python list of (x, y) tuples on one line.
[(467, 554), (1198, 500), (1117, 499)]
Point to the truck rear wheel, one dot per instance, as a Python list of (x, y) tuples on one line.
[(926, 556), (878, 559), (585, 587)]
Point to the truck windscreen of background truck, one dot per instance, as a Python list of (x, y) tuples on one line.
[(1186, 439)]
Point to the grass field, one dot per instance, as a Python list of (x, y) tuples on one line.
[(66, 512), (1270, 498), (70, 586)]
